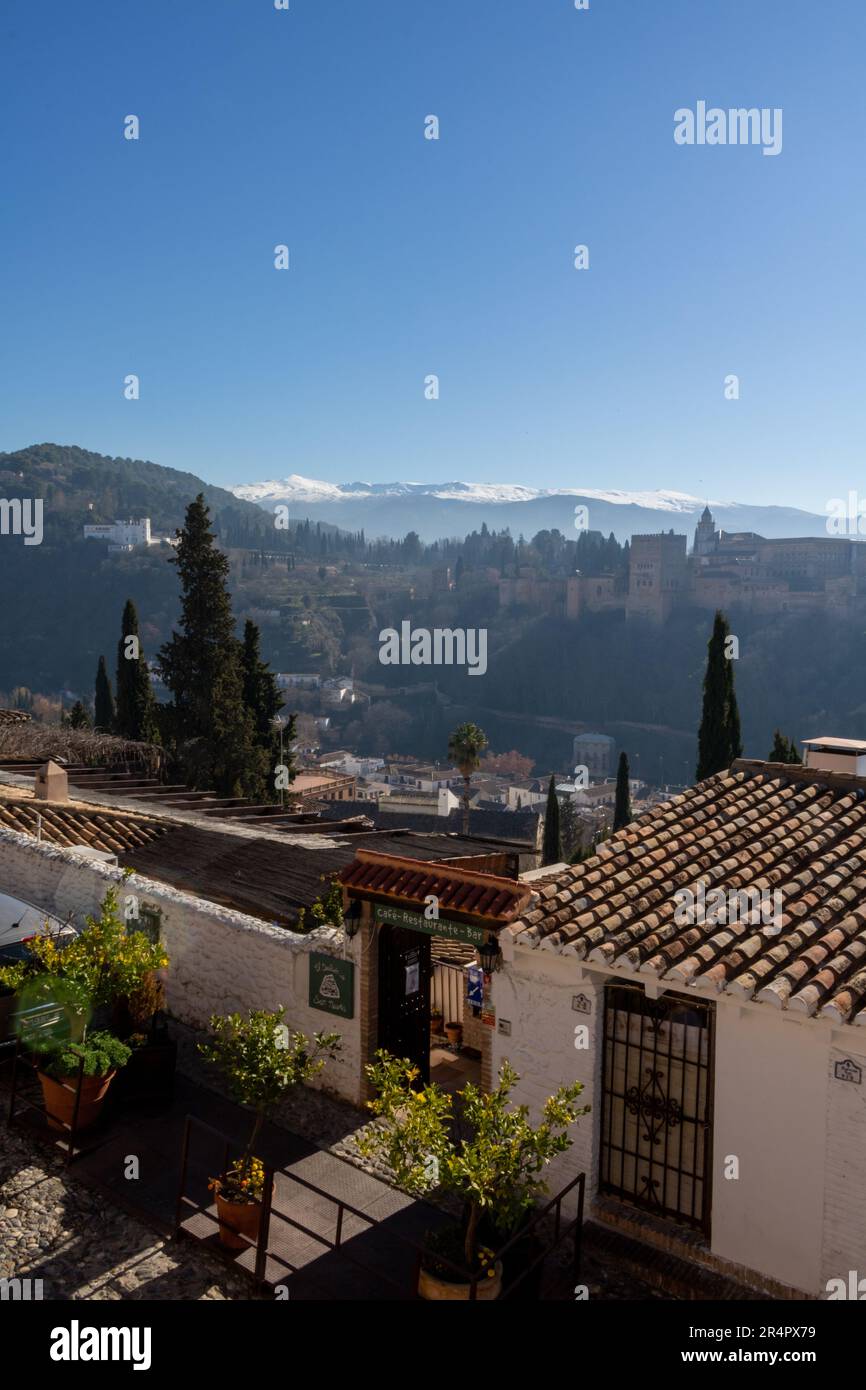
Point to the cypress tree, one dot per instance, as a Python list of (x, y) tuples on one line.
[(263, 700), (77, 718), (262, 695), (719, 741), (211, 729), (551, 849), (622, 806), (135, 716), (783, 750), (569, 827), (103, 719)]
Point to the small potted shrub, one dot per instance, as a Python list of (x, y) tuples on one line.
[(493, 1164), (261, 1059), (59, 1066), (107, 961), (437, 1021)]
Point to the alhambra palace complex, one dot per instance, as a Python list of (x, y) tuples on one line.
[(728, 570)]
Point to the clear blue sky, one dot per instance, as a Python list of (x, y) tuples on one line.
[(454, 257)]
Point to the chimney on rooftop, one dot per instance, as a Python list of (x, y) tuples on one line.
[(51, 783), (836, 755)]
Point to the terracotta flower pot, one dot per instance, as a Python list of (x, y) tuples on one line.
[(436, 1022), (59, 1098), (244, 1217), (454, 1033), (434, 1289)]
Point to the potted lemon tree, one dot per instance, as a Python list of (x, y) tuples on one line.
[(494, 1165), (261, 1060)]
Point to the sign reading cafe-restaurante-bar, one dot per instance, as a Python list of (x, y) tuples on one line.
[(433, 926)]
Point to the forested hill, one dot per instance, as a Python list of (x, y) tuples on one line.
[(63, 599), (78, 487)]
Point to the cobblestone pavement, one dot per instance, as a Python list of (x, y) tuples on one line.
[(54, 1229)]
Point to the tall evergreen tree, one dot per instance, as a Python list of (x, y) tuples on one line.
[(77, 718), (622, 806), (211, 729), (551, 848), (719, 741), (135, 715), (784, 750), (103, 718), (264, 700), (569, 828), (262, 695)]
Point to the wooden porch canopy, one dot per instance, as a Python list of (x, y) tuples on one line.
[(466, 895)]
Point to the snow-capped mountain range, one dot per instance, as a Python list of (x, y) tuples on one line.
[(455, 508)]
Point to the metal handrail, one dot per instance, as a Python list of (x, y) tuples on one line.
[(461, 1273)]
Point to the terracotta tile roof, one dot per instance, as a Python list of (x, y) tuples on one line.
[(764, 826), (14, 716), (63, 824), (463, 893)]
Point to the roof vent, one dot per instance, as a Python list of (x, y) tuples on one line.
[(836, 755)]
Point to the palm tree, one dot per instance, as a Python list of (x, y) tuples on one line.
[(465, 747)]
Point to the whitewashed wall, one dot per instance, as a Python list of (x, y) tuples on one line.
[(796, 1212), (221, 960), (844, 1237), (770, 1114), (534, 994)]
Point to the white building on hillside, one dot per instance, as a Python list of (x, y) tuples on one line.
[(122, 535)]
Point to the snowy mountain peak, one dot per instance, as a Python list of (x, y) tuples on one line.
[(296, 488)]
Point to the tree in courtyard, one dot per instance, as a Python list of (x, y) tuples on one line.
[(465, 746), (719, 742), (103, 718), (212, 731), (551, 850), (135, 715), (622, 806)]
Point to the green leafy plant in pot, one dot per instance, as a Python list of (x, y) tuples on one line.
[(115, 967), (261, 1059), (494, 1165), (63, 1065)]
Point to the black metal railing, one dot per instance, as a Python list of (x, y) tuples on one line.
[(550, 1213)]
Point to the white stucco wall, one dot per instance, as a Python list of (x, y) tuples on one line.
[(221, 960), (534, 993), (797, 1211), (844, 1236), (770, 1112)]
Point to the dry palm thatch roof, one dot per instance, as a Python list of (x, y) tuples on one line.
[(42, 741)]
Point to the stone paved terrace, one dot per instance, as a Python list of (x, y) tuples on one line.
[(89, 1233)]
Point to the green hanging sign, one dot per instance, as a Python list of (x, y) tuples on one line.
[(432, 926), (332, 985)]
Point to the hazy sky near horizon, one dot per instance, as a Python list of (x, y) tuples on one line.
[(410, 256)]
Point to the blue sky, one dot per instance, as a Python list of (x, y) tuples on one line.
[(452, 257)]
